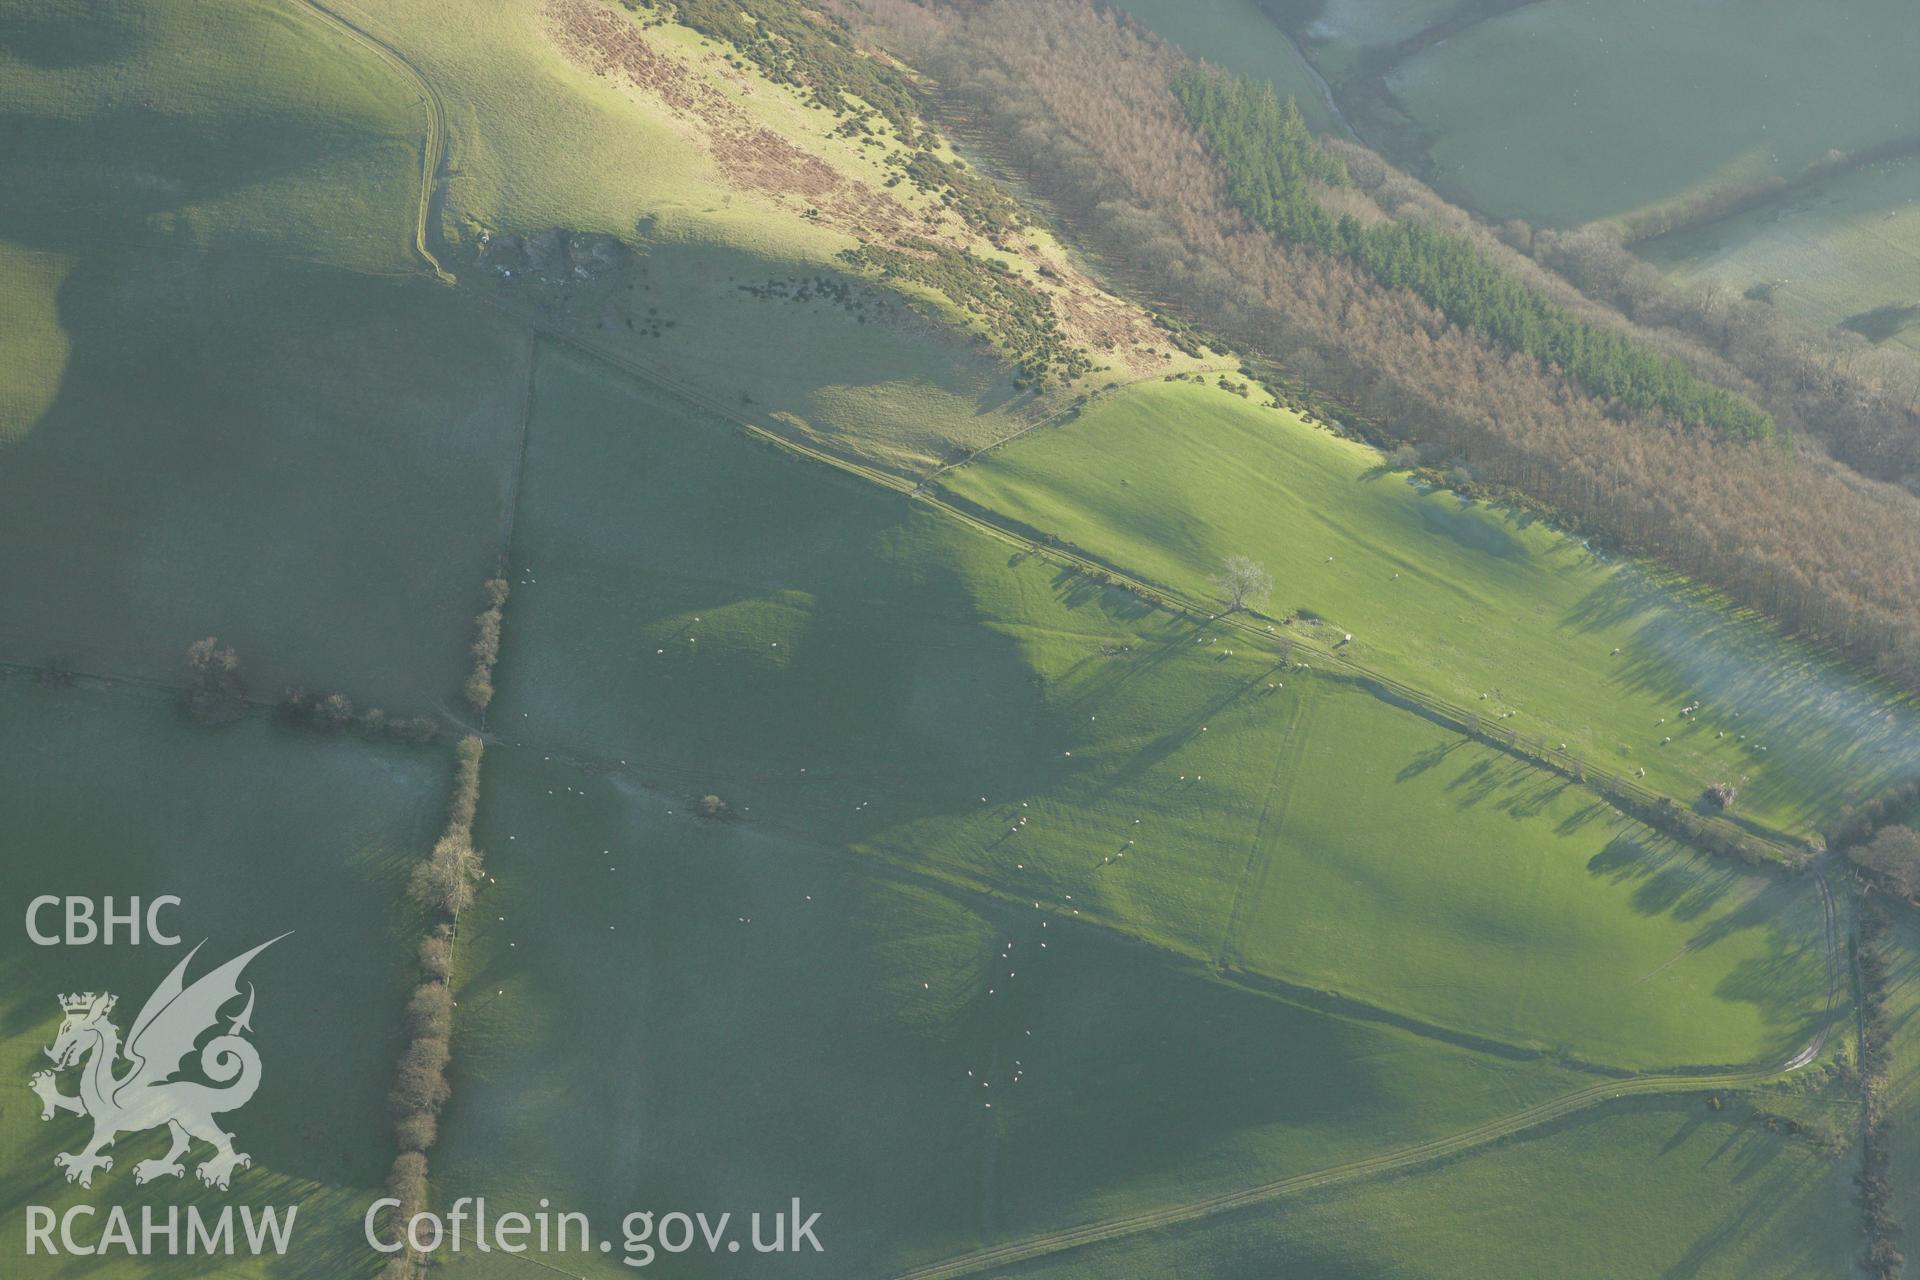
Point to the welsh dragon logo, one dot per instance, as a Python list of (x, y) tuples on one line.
[(145, 1095)]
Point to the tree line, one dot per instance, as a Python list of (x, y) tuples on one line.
[(1272, 162), (1879, 1208), (443, 884), (1079, 102)]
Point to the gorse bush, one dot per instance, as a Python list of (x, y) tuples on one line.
[(1018, 318), (791, 45)]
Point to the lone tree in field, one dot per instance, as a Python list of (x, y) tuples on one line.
[(1243, 583), (215, 692)]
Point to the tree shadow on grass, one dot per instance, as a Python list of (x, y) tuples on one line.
[(1668, 878), (1431, 758), (1837, 735)]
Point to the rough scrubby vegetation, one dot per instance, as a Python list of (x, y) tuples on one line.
[(986, 208), (1018, 318), (792, 45)]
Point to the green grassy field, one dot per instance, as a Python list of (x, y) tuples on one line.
[(1657, 1188), (1544, 113), (1457, 599), (844, 667), (1343, 29), (897, 391), (1238, 36), (661, 1011), (1188, 919), (259, 830), (240, 123), (1836, 252), (228, 410), (865, 674), (323, 487)]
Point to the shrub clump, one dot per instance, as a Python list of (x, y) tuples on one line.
[(216, 693), (334, 713)]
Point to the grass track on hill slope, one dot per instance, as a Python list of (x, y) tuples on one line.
[(1653, 1187)]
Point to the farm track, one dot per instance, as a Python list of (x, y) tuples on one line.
[(435, 147), (1394, 1161), (1411, 1155)]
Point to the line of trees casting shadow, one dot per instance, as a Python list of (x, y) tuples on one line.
[(443, 885), (1786, 532)]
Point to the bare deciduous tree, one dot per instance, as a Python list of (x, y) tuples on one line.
[(445, 880), (1893, 855), (1785, 532), (1243, 583)]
